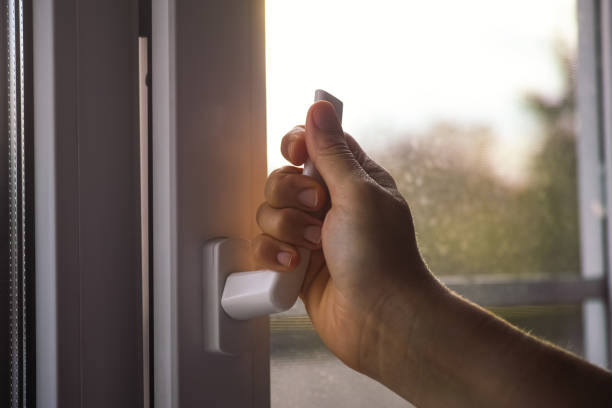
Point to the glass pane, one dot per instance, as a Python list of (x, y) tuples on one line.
[(305, 374), (468, 104)]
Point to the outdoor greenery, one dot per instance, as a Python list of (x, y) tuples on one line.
[(470, 220)]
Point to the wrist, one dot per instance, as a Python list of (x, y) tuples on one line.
[(398, 328)]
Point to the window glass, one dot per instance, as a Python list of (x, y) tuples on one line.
[(470, 106), (304, 374)]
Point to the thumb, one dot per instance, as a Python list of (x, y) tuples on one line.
[(327, 146)]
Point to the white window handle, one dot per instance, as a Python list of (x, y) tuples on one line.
[(258, 293)]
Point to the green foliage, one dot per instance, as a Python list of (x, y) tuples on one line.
[(469, 220)]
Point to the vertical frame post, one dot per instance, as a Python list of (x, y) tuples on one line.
[(591, 177), (89, 348), (605, 24)]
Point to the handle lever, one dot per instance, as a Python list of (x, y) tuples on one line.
[(258, 293)]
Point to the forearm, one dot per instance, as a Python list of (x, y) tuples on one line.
[(437, 349)]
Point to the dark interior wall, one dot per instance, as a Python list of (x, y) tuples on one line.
[(4, 247)]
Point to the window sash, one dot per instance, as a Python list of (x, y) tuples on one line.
[(209, 168), (606, 108)]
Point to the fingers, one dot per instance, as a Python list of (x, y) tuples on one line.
[(315, 282), (290, 225), (328, 149), (287, 219), (270, 253), (293, 146), (288, 188)]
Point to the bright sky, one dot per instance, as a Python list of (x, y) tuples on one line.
[(401, 65)]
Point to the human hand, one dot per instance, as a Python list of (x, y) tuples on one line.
[(364, 251), (373, 301)]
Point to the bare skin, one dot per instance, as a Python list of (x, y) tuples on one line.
[(375, 304)]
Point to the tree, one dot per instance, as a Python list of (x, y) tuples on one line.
[(471, 221)]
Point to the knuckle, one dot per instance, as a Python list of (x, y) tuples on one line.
[(285, 221), (278, 187), (275, 189), (271, 188), (259, 253), (283, 170), (260, 212), (339, 152), (289, 139), (275, 172), (257, 245), (295, 132), (336, 149), (280, 221)]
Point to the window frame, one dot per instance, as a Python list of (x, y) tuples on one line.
[(88, 314), (209, 169), (172, 22), (208, 61), (606, 118)]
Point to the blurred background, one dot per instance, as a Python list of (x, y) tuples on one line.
[(470, 106)]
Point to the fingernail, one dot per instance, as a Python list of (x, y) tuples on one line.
[(313, 234), (284, 258), (324, 117), (308, 197)]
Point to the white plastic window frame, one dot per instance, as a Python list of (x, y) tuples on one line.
[(86, 142), (605, 120), (209, 168)]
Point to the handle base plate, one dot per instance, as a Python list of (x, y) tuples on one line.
[(222, 334)]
